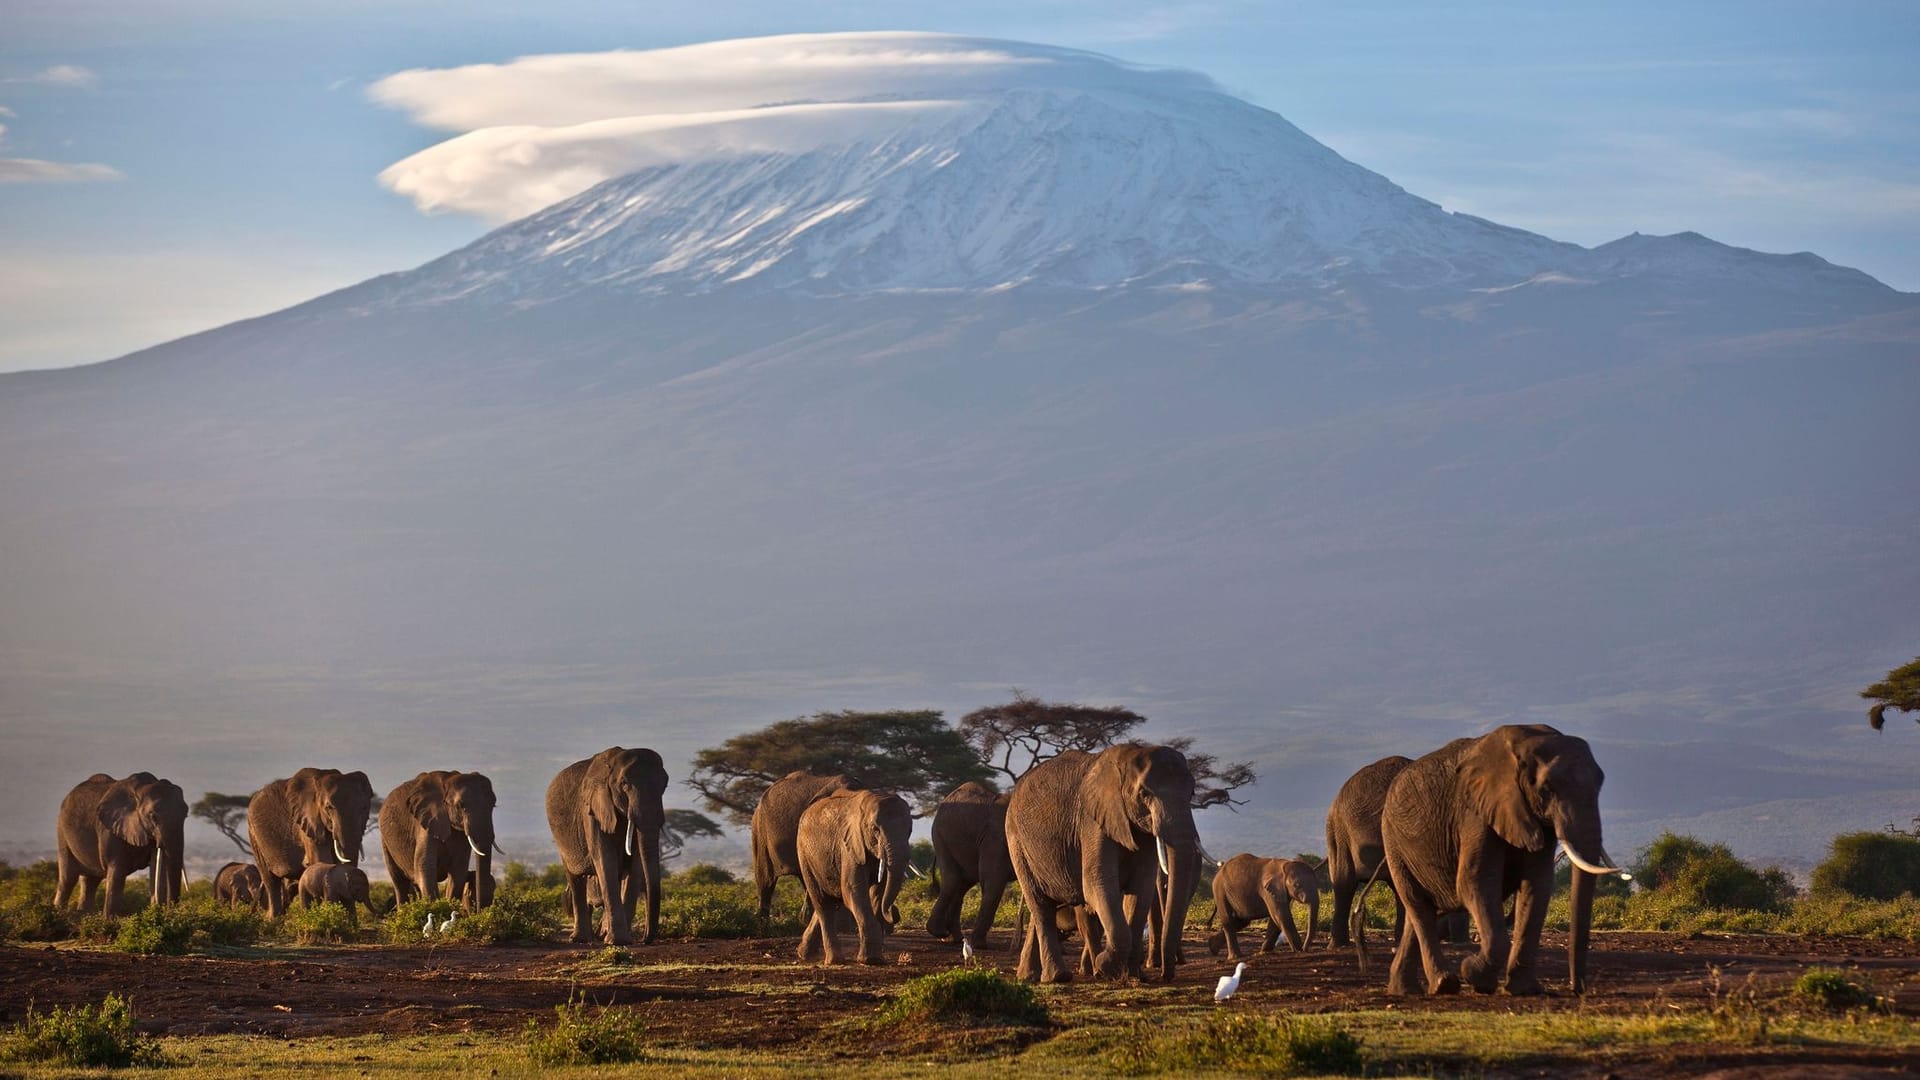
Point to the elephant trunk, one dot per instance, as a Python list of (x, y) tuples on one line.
[(1183, 877), (169, 865), (894, 860)]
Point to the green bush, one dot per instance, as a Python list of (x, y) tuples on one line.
[(1697, 874), (551, 876), (719, 911), (1875, 866), (184, 926), (87, 1036), (516, 914), (609, 1036), (703, 874), (402, 926), (26, 903), (324, 923), (1236, 1041), (968, 996), (1831, 989)]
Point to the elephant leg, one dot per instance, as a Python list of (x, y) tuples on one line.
[(1425, 937), (992, 888), (868, 924), (1280, 919), (608, 866), (1047, 931), (1343, 890), (1230, 926), (829, 912), (89, 891), (1529, 915), (810, 946), (944, 921), (1481, 970), (116, 885), (69, 875), (582, 912), (1027, 970)]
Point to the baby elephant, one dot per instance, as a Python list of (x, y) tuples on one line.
[(1249, 887), (239, 884), (336, 884)]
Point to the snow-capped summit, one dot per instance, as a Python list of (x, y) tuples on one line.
[(856, 163)]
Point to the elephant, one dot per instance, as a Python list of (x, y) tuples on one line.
[(606, 816), (776, 827), (1353, 841), (1475, 822), (336, 884), (1095, 829), (238, 884), (853, 850), (1249, 887), (427, 826), (110, 828), (969, 848), (483, 885), (313, 816)]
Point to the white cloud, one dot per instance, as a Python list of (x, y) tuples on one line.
[(35, 171), (68, 75), (542, 128), (4, 111)]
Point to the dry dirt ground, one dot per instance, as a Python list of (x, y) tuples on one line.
[(751, 994)]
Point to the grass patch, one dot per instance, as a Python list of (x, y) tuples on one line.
[(1830, 989), (516, 914), (1237, 1041), (966, 996), (583, 1036), (184, 927), (404, 924), (83, 1035)]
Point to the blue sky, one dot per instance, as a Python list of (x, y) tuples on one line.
[(166, 167)]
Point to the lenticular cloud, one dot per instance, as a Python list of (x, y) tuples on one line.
[(540, 129)]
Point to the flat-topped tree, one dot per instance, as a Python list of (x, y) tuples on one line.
[(912, 752), (1899, 690)]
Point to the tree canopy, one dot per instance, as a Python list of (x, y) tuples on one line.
[(1014, 737), (1899, 690), (228, 813), (909, 751), (684, 825)]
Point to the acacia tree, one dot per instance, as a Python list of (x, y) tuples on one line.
[(1014, 737), (1899, 690), (227, 813), (909, 751), (681, 826)]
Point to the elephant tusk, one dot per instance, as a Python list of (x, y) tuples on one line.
[(482, 854), (914, 871), (1160, 851), (1592, 868), (1207, 856), (629, 837), (500, 850), (337, 853)]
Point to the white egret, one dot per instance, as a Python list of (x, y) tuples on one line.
[(1229, 984)]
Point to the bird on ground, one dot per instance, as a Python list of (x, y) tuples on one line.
[(448, 925), (966, 950), (426, 928), (1229, 984)]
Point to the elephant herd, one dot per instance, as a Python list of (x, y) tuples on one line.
[(1103, 844)]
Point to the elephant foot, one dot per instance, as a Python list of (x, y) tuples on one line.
[(1400, 984), (1057, 978), (584, 937), (1213, 945), (1478, 972), (1445, 985), (1524, 983)]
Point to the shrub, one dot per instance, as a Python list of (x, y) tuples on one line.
[(704, 874), (1276, 1045), (322, 924), (1876, 866), (609, 1036), (26, 903), (182, 927), (718, 911), (1696, 874), (969, 996), (87, 1036), (402, 926), (516, 914), (1831, 989), (551, 876)]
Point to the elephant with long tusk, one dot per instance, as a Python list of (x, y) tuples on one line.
[(606, 814), (429, 825), (313, 816), (1476, 821), (110, 828)]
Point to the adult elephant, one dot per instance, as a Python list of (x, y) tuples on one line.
[(238, 884), (1354, 852), (853, 850), (313, 816), (776, 827), (606, 816), (969, 835), (110, 828), (1475, 822), (1096, 829), (1249, 887), (427, 827)]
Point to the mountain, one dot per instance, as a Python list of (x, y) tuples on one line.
[(1088, 380)]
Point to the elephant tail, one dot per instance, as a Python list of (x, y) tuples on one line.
[(1359, 928)]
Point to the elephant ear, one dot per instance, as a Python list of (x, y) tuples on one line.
[(116, 812), (426, 807), (303, 795), (1491, 781), (1111, 787), (599, 788)]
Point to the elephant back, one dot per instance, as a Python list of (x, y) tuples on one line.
[(775, 827), (1043, 827)]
